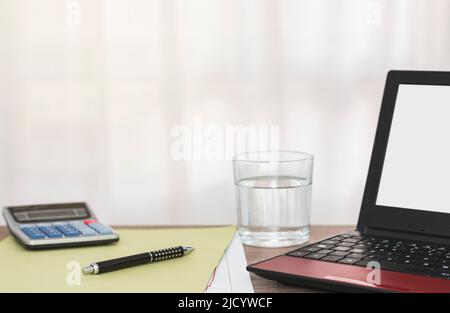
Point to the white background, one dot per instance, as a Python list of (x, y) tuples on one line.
[(416, 169), (86, 111)]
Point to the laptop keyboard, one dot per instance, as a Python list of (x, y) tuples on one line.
[(393, 255)]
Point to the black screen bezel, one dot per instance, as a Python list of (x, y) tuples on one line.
[(24, 208), (394, 218)]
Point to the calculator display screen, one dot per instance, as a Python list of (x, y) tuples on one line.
[(49, 213)]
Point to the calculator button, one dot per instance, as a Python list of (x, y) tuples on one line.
[(27, 226), (36, 236), (101, 229), (72, 233), (68, 230), (46, 229), (33, 233), (87, 222), (51, 232), (84, 229), (104, 232), (62, 228), (88, 232), (29, 229)]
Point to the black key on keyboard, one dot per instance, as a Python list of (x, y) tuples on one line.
[(299, 253), (371, 257), (315, 256), (426, 265), (311, 249), (322, 246), (332, 258), (427, 259), (390, 254), (391, 259), (356, 255), (363, 262), (339, 253), (349, 260), (358, 250), (338, 248), (351, 240), (346, 244), (325, 251), (373, 252), (330, 242), (408, 262)]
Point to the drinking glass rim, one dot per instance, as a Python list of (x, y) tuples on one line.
[(304, 156)]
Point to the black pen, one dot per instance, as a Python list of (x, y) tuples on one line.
[(137, 259)]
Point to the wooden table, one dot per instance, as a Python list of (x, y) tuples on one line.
[(256, 254)]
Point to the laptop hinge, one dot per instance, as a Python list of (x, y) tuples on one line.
[(405, 235)]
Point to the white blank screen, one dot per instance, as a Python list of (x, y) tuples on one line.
[(416, 171)]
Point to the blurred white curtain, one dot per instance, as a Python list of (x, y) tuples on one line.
[(91, 90)]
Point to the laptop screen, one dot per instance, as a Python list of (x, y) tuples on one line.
[(416, 170)]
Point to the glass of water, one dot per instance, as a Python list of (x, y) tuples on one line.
[(273, 193)]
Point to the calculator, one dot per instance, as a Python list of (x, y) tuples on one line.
[(57, 225)]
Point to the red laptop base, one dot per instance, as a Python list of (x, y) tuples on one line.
[(341, 277)]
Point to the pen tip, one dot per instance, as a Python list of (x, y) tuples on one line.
[(88, 270), (188, 250)]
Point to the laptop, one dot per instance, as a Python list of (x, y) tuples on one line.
[(402, 240)]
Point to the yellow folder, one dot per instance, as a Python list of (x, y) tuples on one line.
[(59, 270)]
